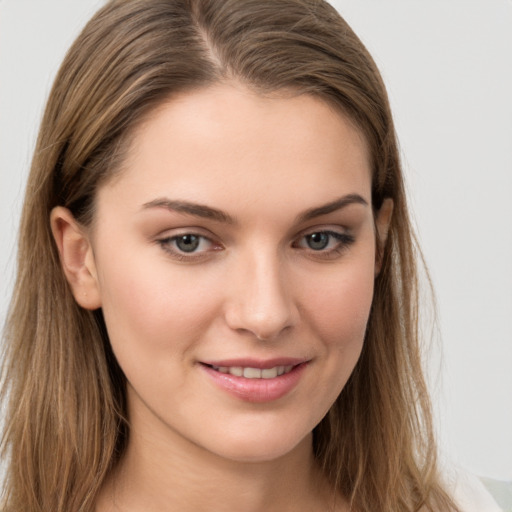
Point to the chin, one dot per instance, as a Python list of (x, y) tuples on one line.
[(263, 448)]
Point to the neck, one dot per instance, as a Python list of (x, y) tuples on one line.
[(178, 475)]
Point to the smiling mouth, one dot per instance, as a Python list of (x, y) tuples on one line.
[(256, 381), (253, 373)]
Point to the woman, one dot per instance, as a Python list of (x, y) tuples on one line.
[(216, 297)]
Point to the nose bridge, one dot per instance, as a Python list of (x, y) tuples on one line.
[(261, 302)]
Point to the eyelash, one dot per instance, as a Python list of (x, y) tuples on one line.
[(167, 245), (343, 242)]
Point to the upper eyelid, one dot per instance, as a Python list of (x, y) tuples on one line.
[(321, 230), (171, 235), (172, 232), (339, 230), (330, 232), (184, 233)]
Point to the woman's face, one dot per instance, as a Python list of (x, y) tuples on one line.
[(234, 261)]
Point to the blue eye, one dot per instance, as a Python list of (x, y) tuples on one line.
[(318, 241), (325, 241), (187, 243)]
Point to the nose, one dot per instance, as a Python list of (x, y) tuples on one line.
[(260, 299)]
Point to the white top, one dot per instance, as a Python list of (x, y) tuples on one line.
[(470, 493)]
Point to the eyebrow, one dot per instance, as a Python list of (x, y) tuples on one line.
[(198, 210), (207, 212), (331, 207)]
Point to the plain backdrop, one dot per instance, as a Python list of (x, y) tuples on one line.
[(448, 68)]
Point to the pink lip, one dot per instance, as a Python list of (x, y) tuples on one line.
[(257, 390)]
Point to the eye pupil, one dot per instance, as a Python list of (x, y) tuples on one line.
[(318, 241), (187, 243)]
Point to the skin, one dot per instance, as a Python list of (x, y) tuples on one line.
[(255, 287)]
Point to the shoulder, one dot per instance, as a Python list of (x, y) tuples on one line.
[(470, 493), (501, 491)]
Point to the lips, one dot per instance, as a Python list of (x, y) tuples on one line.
[(256, 381)]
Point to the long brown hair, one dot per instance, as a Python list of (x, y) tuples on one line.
[(66, 424)]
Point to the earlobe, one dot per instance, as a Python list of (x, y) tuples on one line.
[(382, 223), (76, 257)]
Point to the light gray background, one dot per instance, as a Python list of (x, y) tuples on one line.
[(448, 67)]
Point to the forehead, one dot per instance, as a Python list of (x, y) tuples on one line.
[(228, 143)]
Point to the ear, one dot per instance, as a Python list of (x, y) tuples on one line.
[(76, 257), (382, 223)]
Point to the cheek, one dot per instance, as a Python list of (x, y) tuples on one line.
[(339, 306), (337, 315), (154, 309)]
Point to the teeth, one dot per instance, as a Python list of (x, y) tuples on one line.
[(237, 371), (254, 373), (269, 373)]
